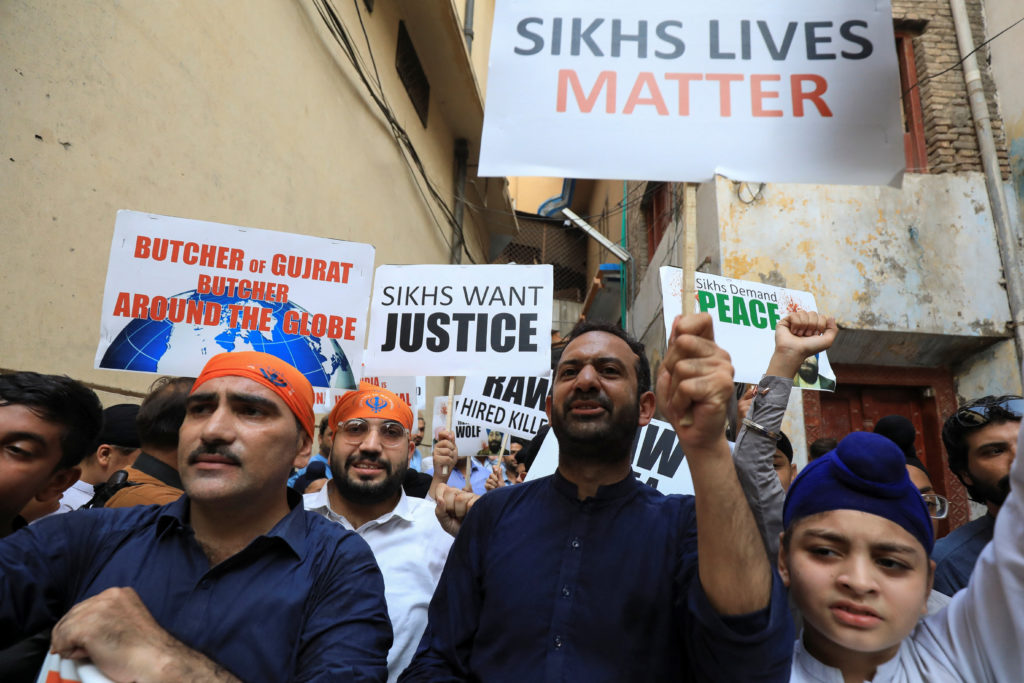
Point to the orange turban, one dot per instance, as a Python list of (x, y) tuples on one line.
[(270, 371), (371, 401)]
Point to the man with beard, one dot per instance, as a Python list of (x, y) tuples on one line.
[(981, 442), (369, 460), (232, 581), (610, 586), (808, 377)]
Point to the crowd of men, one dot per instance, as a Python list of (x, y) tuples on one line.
[(198, 537)]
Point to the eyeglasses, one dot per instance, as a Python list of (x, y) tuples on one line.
[(938, 506), (356, 431), (982, 414)]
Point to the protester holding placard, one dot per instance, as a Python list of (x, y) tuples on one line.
[(607, 567)]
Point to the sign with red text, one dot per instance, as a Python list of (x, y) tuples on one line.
[(744, 315), (797, 91), (469, 439), (180, 291), (657, 459), (461, 320), (403, 387), (57, 669)]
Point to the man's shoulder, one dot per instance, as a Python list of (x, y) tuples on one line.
[(976, 532), (143, 490)]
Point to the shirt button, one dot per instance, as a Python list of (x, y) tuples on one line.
[(566, 592), (575, 543), (558, 641)]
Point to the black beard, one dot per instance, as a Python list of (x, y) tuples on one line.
[(993, 493), (609, 443), (808, 373), (362, 493)]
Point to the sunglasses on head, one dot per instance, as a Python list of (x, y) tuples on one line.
[(1011, 407)]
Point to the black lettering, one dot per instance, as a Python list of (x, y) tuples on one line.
[(846, 31), (556, 36), (578, 34), (715, 52), (498, 342), (492, 387), (777, 53), (522, 29), (410, 336), (462, 332), (436, 326), (446, 292), (640, 38), (657, 449), (812, 39), (514, 391), (388, 297), (527, 329), (391, 333), (481, 331), (476, 297), (678, 46), (536, 390)]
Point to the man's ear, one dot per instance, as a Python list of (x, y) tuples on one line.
[(783, 568), (59, 482), (931, 584), (648, 404), (103, 455), (412, 449), (547, 407), (305, 450)]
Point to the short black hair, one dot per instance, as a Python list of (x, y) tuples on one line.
[(954, 436), (323, 425), (62, 400), (820, 447), (162, 412), (643, 366)]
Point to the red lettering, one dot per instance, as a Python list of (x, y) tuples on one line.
[(684, 89), (820, 86), (568, 77), (189, 255), (758, 95), (142, 247), (282, 293), (725, 82), (139, 306), (350, 329), (266, 321), (158, 308), (235, 311), (290, 322), (203, 286), (646, 78), (194, 316), (122, 305)]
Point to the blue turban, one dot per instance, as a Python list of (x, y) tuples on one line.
[(865, 472)]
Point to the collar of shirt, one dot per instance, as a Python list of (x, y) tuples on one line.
[(290, 529), (320, 502), (619, 489)]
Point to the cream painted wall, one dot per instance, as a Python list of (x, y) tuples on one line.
[(530, 193), (233, 111)]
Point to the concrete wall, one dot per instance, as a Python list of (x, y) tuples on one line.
[(1007, 66), (241, 112)]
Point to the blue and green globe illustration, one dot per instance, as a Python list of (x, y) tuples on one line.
[(161, 345)]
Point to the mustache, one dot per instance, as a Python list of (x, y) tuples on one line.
[(222, 451), (593, 395), (370, 458)]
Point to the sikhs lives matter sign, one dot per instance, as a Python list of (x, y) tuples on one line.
[(744, 315), (181, 291), (460, 320), (796, 91), (658, 459)]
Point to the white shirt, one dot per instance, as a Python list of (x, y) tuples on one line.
[(410, 548), (77, 495), (979, 636)]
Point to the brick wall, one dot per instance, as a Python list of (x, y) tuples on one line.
[(950, 138)]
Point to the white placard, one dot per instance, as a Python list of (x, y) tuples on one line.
[(469, 439), (180, 291), (744, 315), (403, 387), (507, 404), (798, 91), (657, 459), (461, 320)]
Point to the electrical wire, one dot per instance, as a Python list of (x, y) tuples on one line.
[(917, 84)]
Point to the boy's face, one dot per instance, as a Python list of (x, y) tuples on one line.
[(860, 580)]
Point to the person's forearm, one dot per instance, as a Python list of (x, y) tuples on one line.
[(181, 663), (733, 566), (753, 458)]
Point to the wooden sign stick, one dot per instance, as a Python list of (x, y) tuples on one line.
[(448, 422), (689, 262)]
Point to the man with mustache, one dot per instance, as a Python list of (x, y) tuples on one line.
[(610, 584), (232, 581), (981, 443), (369, 460)]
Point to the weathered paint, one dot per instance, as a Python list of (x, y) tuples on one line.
[(920, 259), (984, 373)]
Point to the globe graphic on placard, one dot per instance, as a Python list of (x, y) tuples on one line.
[(160, 345)]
